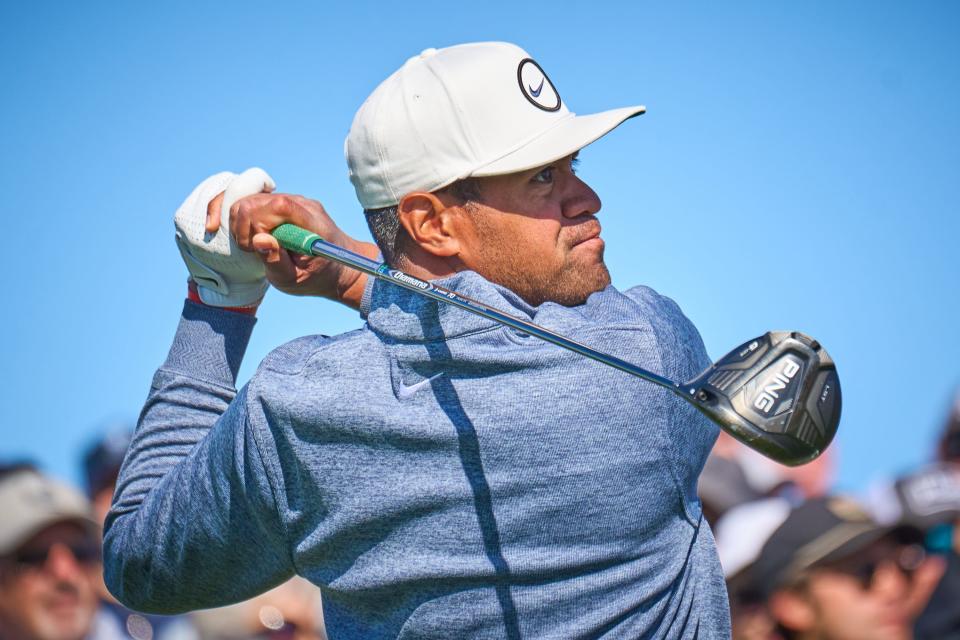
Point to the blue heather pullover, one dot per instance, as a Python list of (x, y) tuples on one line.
[(436, 474)]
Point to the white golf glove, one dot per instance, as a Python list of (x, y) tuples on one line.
[(226, 276)]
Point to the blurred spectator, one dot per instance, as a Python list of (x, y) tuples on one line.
[(934, 493), (291, 611), (101, 466), (741, 533), (722, 486), (929, 498), (932, 496), (49, 548), (735, 474), (830, 571), (811, 480), (949, 450)]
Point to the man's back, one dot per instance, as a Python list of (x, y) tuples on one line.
[(441, 476)]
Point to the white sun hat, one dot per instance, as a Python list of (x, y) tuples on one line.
[(30, 502), (480, 109), (743, 530)]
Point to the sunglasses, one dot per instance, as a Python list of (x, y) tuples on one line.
[(905, 559), (84, 552)]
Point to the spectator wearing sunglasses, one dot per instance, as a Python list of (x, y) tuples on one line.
[(49, 554), (929, 498), (830, 571)]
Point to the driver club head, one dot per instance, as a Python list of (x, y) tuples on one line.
[(778, 394)]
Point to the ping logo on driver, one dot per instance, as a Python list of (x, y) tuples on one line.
[(771, 388)]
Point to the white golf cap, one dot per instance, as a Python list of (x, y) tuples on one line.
[(30, 502), (480, 109)]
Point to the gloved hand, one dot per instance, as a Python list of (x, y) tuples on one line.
[(225, 275)]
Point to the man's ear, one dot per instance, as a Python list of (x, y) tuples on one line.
[(792, 610), (429, 223)]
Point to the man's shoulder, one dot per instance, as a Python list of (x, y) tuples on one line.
[(659, 306), (295, 356), (644, 310), (637, 305)]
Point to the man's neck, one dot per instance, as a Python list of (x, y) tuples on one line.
[(427, 267)]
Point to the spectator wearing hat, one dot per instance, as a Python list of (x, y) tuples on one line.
[(723, 485), (740, 533), (930, 498), (830, 571), (734, 474), (933, 493), (101, 466), (49, 551)]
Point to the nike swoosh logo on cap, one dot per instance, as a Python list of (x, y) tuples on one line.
[(404, 391), (536, 92)]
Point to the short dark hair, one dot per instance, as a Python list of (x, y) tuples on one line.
[(384, 223)]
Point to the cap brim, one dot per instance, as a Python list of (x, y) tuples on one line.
[(567, 137), (842, 542), (22, 534), (857, 542), (902, 533)]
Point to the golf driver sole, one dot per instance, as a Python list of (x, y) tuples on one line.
[(779, 394)]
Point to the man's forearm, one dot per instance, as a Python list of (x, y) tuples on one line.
[(208, 349)]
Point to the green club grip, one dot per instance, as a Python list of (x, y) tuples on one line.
[(294, 238)]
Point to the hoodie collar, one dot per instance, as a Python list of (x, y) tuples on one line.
[(403, 315)]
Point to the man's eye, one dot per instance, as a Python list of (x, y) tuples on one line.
[(545, 176)]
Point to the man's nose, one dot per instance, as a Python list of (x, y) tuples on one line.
[(891, 581), (62, 564), (580, 199)]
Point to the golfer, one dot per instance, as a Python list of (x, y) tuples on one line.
[(436, 474)]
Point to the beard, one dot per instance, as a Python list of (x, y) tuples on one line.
[(568, 280), (571, 288)]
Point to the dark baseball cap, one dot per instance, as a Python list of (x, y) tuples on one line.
[(930, 496), (820, 531), (101, 462)]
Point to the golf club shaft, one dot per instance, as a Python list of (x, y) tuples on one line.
[(294, 238)]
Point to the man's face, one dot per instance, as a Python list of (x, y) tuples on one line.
[(46, 587), (864, 597), (536, 233)]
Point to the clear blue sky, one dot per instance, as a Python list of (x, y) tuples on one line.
[(798, 168)]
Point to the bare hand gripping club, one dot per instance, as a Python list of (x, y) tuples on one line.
[(778, 394)]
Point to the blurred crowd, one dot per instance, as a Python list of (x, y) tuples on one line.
[(799, 561), (51, 578)]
